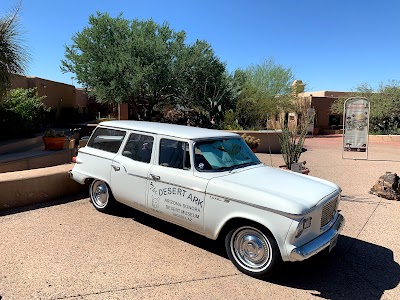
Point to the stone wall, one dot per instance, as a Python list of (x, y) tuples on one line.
[(269, 140), (35, 186)]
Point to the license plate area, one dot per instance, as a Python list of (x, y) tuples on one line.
[(333, 242)]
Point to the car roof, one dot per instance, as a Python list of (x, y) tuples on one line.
[(173, 130)]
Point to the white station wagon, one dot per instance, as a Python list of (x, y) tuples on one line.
[(210, 182)]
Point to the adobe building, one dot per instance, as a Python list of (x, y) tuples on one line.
[(58, 95), (61, 95), (320, 103), (325, 121)]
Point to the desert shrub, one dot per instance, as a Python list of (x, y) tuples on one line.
[(22, 112), (231, 121)]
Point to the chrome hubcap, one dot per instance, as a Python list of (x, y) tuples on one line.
[(99, 194), (251, 249)]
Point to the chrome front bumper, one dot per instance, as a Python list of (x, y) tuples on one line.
[(320, 243)]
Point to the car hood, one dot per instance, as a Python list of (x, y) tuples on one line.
[(273, 188)]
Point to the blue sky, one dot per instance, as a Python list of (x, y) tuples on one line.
[(330, 45)]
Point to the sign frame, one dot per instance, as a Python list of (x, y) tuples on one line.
[(311, 112), (356, 114)]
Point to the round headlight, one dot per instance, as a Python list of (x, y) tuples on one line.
[(303, 224)]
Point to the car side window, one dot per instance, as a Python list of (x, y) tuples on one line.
[(174, 154), (107, 139), (139, 147)]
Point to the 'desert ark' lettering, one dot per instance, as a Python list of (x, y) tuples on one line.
[(172, 191)]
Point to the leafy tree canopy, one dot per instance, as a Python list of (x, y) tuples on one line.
[(266, 90), (148, 65)]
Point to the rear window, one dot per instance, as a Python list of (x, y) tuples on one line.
[(107, 139)]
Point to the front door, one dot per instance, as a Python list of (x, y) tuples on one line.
[(174, 193)]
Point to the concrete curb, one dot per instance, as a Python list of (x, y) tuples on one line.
[(384, 138), (11, 147), (35, 159), (36, 186)]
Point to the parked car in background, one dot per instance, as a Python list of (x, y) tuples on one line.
[(210, 182)]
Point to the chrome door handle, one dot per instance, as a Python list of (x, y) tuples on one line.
[(155, 177), (116, 168)]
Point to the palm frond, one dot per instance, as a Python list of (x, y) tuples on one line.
[(14, 55)]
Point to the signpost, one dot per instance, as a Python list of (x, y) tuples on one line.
[(356, 125), (311, 114)]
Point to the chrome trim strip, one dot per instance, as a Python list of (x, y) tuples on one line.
[(96, 155), (180, 186), (128, 129), (135, 175), (279, 212), (290, 215), (318, 244)]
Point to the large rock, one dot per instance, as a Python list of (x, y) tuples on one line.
[(387, 186)]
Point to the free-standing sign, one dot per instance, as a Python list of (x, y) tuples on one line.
[(310, 114), (356, 124)]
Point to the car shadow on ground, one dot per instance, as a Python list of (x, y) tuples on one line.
[(64, 200), (170, 229), (355, 269)]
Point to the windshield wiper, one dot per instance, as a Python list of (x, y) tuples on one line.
[(246, 165), (223, 168), (237, 166)]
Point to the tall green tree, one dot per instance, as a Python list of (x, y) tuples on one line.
[(385, 106), (145, 64), (13, 52), (266, 91), (203, 80)]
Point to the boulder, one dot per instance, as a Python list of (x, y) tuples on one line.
[(387, 187)]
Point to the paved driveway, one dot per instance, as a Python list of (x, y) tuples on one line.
[(67, 250)]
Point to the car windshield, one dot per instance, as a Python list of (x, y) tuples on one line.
[(223, 154)]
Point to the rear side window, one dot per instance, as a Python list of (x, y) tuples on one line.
[(107, 139), (139, 147), (174, 154)]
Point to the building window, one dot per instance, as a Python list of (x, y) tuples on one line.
[(334, 120)]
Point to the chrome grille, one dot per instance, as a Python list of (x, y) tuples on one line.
[(329, 210)]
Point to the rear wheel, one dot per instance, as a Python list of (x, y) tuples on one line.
[(252, 251), (101, 196)]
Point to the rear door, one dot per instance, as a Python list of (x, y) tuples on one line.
[(130, 170)]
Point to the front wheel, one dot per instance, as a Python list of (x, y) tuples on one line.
[(101, 196), (252, 251)]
